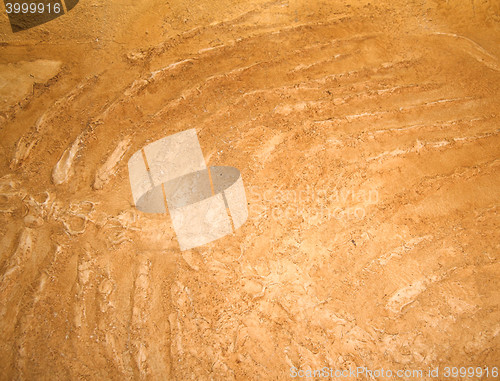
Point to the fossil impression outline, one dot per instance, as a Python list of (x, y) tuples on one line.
[(205, 203)]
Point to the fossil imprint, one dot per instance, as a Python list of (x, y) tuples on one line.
[(205, 203)]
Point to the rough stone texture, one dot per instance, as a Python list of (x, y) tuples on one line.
[(367, 138)]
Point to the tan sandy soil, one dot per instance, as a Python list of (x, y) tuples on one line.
[(367, 135)]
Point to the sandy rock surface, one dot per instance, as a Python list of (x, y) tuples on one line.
[(367, 136)]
